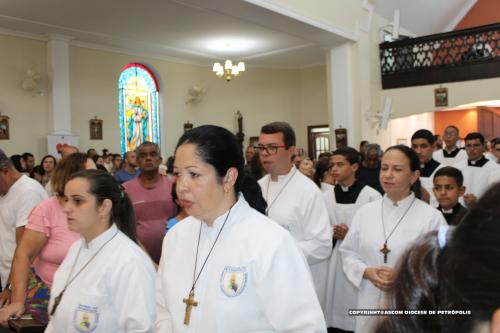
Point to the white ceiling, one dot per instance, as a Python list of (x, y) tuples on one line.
[(202, 31), (425, 17)]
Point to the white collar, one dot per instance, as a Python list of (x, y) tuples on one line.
[(401, 203), (284, 177), (97, 242)]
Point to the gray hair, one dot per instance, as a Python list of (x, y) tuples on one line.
[(148, 143), (5, 161), (372, 147)]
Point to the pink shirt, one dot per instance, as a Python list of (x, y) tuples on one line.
[(153, 207), (48, 218)]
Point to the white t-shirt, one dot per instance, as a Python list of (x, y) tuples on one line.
[(15, 207)]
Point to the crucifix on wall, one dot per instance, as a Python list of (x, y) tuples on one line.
[(240, 135)]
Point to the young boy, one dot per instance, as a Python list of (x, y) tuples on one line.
[(342, 202), (448, 188)]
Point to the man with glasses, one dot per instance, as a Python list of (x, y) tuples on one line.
[(479, 172), (294, 201), (451, 154), (151, 196)]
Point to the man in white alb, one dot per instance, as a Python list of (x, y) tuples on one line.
[(450, 154), (294, 201), (479, 172), (18, 195)]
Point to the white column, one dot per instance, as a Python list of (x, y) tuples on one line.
[(340, 92), (59, 83)]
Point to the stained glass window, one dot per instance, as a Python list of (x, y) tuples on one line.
[(138, 107)]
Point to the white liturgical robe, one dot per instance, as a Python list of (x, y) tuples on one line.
[(479, 176), (297, 204), (341, 294), (445, 158), (115, 293), (361, 247), (255, 280)]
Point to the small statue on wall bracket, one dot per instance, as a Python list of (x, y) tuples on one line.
[(4, 128), (341, 137), (187, 126), (240, 135)]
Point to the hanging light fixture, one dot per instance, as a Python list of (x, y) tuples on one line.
[(229, 71)]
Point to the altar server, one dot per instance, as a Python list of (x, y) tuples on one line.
[(234, 270), (106, 283), (294, 201), (342, 202), (479, 172), (450, 154), (422, 142), (383, 229)]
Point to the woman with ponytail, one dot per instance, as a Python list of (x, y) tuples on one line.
[(106, 283), (230, 271)]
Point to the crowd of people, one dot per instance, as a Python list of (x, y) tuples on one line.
[(221, 240)]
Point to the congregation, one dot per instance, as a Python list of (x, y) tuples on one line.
[(218, 239)]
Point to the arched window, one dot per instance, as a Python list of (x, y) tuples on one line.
[(138, 107)]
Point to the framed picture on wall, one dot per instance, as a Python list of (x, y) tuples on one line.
[(4, 128), (341, 137), (95, 126), (441, 97), (253, 141), (402, 141)]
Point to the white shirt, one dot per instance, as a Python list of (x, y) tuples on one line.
[(341, 294), (245, 285), (296, 203), (115, 293), (478, 179), (361, 247), (15, 207), (438, 155), (326, 187)]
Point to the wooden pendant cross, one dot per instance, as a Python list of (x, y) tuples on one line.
[(190, 302), (385, 250), (57, 300)]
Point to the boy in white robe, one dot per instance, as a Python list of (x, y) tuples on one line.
[(342, 202)]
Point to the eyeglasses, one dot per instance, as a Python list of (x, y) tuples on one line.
[(271, 149)]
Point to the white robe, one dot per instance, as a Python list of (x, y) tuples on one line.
[(326, 187), (361, 248), (341, 294), (478, 179), (449, 161), (255, 280), (301, 210), (115, 293), (428, 184)]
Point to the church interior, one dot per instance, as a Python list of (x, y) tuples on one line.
[(307, 64)]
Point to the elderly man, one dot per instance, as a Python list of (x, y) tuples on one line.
[(151, 196), (18, 195)]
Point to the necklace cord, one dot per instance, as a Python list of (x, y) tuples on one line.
[(281, 190), (397, 224)]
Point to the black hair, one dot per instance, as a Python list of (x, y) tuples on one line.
[(424, 134), (170, 164), (325, 154), (451, 172), (16, 162), (256, 168), (281, 127), (37, 169), (454, 127), (462, 275), (474, 136), (412, 156), (350, 154), (104, 186), (25, 156), (322, 166), (220, 148)]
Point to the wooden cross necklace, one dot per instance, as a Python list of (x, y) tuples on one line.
[(385, 250), (190, 301), (58, 298)]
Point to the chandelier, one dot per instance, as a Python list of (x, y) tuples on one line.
[(228, 72)]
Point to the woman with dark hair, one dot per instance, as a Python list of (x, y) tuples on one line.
[(381, 231), (48, 164), (45, 242), (106, 283), (454, 269), (231, 260), (322, 176)]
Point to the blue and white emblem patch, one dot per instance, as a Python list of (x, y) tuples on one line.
[(86, 318), (233, 280)]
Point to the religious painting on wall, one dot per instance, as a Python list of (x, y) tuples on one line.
[(4, 128), (138, 107), (95, 126), (341, 137), (441, 97)]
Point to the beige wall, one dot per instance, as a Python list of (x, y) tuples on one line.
[(262, 96), (27, 113)]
